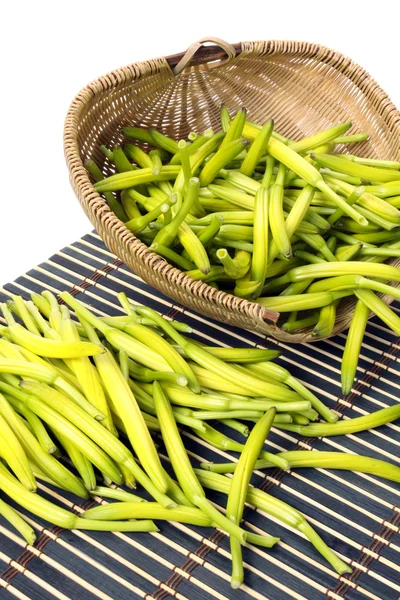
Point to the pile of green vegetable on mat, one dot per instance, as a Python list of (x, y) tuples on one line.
[(283, 223), (81, 398)]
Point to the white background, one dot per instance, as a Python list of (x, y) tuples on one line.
[(49, 50)]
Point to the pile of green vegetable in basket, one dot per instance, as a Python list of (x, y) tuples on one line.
[(79, 400), (282, 223)]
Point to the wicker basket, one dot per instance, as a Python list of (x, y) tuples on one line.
[(303, 87)]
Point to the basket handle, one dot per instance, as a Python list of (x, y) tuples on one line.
[(191, 51)]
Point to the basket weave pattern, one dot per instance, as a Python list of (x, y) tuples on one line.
[(304, 87)]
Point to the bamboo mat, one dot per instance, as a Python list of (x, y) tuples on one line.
[(357, 515)]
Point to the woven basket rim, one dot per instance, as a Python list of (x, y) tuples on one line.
[(96, 205)]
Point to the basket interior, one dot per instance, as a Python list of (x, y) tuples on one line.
[(303, 91)]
